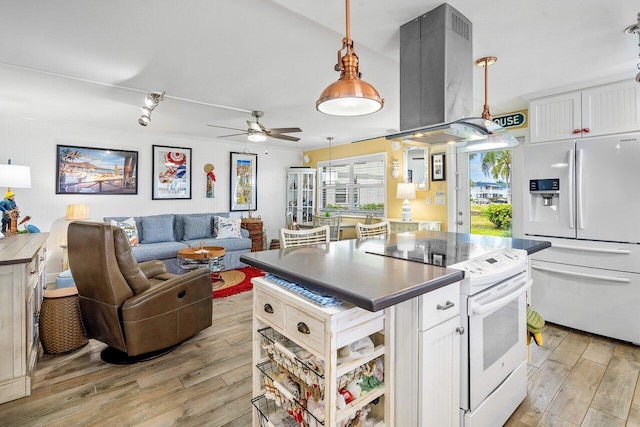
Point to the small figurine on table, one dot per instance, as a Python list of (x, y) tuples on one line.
[(7, 206)]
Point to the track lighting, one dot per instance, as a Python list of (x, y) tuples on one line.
[(635, 29), (151, 101)]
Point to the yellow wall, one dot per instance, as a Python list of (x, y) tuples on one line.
[(419, 208)]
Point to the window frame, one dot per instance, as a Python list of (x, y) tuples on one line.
[(349, 188)]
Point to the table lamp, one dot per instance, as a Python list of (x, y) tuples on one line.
[(406, 191), (14, 176), (74, 212), (77, 211)]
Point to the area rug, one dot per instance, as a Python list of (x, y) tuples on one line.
[(235, 282)]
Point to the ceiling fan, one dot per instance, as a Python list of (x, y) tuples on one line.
[(257, 132)]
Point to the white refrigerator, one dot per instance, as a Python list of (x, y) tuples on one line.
[(599, 188), (583, 195)]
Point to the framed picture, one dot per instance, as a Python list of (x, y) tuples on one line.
[(244, 173), (171, 173), (89, 170), (437, 168), (409, 175)]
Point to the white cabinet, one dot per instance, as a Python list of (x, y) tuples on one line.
[(22, 281), (600, 110), (427, 371), (400, 226), (298, 369), (301, 186)]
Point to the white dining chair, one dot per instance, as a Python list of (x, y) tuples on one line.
[(382, 228), (306, 237)]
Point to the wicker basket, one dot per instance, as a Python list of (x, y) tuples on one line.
[(61, 329), (254, 227)]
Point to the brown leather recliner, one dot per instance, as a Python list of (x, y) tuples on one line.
[(139, 310)]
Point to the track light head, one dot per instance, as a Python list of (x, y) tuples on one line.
[(144, 120), (153, 98)]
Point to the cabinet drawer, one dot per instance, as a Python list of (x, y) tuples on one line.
[(304, 329), (440, 305), (610, 256), (270, 309)]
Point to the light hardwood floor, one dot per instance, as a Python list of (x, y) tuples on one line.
[(575, 379)]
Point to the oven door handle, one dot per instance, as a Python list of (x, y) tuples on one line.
[(490, 306)]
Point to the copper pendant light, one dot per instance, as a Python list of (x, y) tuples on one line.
[(349, 96), (485, 62)]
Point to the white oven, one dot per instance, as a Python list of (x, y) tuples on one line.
[(493, 350)]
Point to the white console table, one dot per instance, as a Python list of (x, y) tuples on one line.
[(400, 226)]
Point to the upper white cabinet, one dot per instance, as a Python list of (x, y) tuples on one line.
[(601, 110)]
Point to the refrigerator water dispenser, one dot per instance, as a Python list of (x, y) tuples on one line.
[(545, 189)]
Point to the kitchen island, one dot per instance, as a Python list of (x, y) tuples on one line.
[(351, 271), (377, 280)]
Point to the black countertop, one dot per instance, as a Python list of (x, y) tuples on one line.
[(347, 271)]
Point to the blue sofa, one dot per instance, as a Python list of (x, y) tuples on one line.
[(166, 234)]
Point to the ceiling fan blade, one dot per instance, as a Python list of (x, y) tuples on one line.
[(224, 127), (285, 130), (285, 137), (233, 134)]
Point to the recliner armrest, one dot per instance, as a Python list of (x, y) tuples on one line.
[(152, 268), (167, 296)]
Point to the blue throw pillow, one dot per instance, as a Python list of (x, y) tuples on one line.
[(157, 228), (197, 227)]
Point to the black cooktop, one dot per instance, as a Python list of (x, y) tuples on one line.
[(434, 251)]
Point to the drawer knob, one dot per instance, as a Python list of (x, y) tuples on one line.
[(32, 272), (446, 306), (303, 328), (460, 330), (268, 308)]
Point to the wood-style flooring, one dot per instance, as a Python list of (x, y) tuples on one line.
[(579, 379), (575, 379)]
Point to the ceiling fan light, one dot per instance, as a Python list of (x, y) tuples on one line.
[(257, 137)]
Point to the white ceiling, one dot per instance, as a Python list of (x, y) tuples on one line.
[(91, 61)]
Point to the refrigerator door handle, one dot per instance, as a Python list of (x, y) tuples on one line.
[(579, 213), (572, 165), (599, 250), (582, 275)]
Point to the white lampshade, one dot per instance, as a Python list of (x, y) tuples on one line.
[(15, 176), (406, 190), (78, 211)]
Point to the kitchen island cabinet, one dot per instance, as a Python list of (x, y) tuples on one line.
[(295, 348)]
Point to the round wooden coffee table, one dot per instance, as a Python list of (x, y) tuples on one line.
[(202, 256)]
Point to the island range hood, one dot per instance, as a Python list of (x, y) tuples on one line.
[(436, 85), (469, 134)]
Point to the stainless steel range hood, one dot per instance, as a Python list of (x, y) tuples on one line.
[(436, 79), (469, 134)]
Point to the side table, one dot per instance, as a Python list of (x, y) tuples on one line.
[(254, 227), (61, 329), (211, 257)]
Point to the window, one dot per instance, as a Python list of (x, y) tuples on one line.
[(353, 186)]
